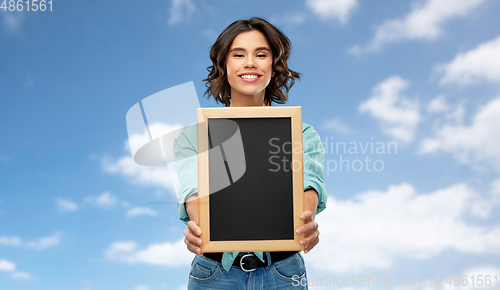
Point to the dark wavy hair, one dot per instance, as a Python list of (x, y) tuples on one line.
[(283, 79)]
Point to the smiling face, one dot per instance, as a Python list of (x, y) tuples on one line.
[(249, 66)]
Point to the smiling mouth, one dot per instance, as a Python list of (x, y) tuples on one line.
[(249, 77)]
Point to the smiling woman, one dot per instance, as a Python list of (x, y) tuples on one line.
[(244, 49), (249, 69)]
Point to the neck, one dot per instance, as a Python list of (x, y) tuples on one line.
[(238, 100)]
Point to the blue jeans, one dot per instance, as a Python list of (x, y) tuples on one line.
[(285, 274)]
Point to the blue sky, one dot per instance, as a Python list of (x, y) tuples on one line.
[(77, 213)]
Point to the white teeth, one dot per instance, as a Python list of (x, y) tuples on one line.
[(249, 76)]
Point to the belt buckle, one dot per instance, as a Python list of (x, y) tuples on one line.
[(241, 263)]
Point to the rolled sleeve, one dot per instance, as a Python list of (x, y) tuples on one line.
[(314, 160), (186, 162)]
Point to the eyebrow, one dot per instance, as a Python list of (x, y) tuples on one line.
[(257, 49)]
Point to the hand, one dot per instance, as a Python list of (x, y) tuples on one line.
[(310, 230), (192, 238)]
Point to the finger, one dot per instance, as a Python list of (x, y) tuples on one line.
[(193, 248), (192, 238), (308, 227), (311, 246), (306, 215), (312, 228), (310, 239), (195, 229), (192, 242)]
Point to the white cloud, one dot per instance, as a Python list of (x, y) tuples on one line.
[(287, 18), (118, 247), (45, 242), (180, 10), (458, 114), (21, 275), (145, 175), (106, 200), (375, 228), (10, 241), (166, 254), (438, 104), (337, 125), (40, 243), (141, 287), (137, 211), (136, 141), (477, 142), (338, 9), (495, 187), (425, 21), (7, 266), (66, 205), (481, 63), (11, 21), (478, 273), (398, 115), (160, 176)]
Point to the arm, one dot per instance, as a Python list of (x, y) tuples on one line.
[(310, 227), (192, 208), (193, 232), (186, 162), (185, 154), (315, 192)]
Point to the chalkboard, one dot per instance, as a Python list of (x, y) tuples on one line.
[(250, 173)]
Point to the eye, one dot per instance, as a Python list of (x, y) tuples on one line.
[(238, 55), (262, 55)]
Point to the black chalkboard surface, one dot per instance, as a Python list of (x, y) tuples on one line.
[(263, 195), (250, 178)]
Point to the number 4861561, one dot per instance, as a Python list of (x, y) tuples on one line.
[(29, 5)]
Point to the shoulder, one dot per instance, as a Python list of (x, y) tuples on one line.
[(188, 134), (308, 130), (305, 126), (190, 130)]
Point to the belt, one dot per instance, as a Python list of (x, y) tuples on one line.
[(250, 262)]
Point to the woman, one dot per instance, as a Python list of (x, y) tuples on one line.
[(250, 69)]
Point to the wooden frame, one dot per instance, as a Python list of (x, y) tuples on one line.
[(295, 115)]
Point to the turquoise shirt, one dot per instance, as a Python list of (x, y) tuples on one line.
[(186, 160)]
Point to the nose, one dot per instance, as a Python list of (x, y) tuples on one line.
[(249, 62)]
